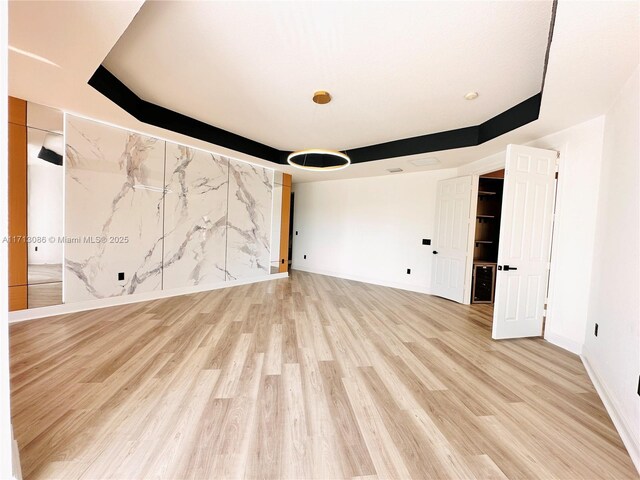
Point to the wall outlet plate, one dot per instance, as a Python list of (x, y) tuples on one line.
[(120, 276), (426, 241), (408, 271)]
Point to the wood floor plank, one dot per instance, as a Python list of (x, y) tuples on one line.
[(310, 377)]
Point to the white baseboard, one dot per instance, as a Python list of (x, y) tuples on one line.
[(563, 342), (630, 442), (33, 313), (358, 278)]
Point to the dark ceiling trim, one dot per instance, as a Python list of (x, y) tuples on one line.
[(552, 26), (519, 115), (508, 120), (116, 91)]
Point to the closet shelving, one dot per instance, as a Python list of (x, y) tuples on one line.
[(487, 232)]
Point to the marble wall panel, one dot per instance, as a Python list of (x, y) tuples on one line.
[(113, 211), (165, 215), (249, 220), (196, 184)]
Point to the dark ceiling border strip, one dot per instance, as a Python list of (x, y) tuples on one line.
[(111, 87), (523, 113), (515, 117), (552, 26)]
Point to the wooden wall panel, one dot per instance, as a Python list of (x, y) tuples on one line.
[(18, 298), (496, 174), (284, 223), (17, 203), (286, 179), (17, 111)]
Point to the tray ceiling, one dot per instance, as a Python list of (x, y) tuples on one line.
[(395, 69)]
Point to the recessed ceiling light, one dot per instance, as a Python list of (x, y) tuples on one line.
[(321, 97), (394, 170), (471, 95), (423, 162)]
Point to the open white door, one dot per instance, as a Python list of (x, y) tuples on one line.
[(451, 244), (525, 241)]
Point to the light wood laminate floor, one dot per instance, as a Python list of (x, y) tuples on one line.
[(306, 377), (45, 285)]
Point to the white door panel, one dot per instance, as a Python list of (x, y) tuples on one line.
[(452, 237), (525, 242)]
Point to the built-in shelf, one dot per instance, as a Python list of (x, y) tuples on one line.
[(477, 261), (486, 239)]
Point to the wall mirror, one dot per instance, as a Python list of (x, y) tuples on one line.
[(45, 178)]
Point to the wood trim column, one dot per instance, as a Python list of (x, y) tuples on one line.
[(284, 223), (17, 204)]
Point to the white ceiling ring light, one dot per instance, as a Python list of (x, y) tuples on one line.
[(318, 159)]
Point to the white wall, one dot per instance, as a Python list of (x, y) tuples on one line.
[(614, 355), (580, 150), (368, 229)]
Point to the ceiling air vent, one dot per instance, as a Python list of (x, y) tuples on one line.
[(394, 170), (423, 162)]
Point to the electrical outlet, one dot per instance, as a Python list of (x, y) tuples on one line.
[(36, 249), (296, 232), (426, 241), (120, 276), (408, 271), (305, 257), (595, 331)]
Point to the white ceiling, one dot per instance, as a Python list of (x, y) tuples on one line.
[(394, 69), (594, 50)]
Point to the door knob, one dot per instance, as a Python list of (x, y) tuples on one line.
[(435, 252), (507, 268)]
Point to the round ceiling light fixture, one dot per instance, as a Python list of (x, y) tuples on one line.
[(471, 95), (321, 97), (318, 159)]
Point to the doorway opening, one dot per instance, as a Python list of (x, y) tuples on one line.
[(291, 230), (487, 237)]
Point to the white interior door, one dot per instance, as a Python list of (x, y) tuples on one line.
[(525, 241), (450, 248)]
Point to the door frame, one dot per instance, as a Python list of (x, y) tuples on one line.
[(475, 181)]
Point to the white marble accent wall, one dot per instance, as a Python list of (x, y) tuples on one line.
[(166, 215), (196, 184), (249, 220), (113, 211)]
